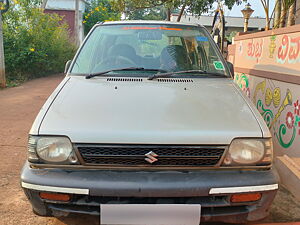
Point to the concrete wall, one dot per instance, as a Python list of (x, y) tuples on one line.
[(267, 69)]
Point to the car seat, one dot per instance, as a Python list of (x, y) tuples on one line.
[(174, 58)]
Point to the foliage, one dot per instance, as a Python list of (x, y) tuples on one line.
[(282, 8), (99, 11), (156, 13), (35, 43), (231, 36), (286, 4), (197, 7)]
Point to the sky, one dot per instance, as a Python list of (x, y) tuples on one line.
[(255, 5)]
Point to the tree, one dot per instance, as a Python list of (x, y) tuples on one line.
[(292, 16), (231, 36), (199, 6), (36, 43), (266, 7), (99, 11), (156, 13), (196, 7), (285, 5), (4, 6), (44, 4), (277, 14)]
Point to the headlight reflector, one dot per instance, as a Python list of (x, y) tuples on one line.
[(249, 152), (54, 149), (50, 149)]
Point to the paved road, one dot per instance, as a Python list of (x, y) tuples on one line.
[(18, 108)]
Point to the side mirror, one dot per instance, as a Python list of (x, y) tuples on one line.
[(67, 66), (231, 68)]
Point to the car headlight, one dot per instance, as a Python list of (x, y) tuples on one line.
[(249, 152), (51, 150)]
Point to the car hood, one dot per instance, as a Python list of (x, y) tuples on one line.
[(160, 111)]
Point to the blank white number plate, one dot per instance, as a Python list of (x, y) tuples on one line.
[(150, 214)]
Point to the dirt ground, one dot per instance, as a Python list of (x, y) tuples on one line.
[(18, 108)]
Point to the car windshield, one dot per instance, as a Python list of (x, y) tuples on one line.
[(159, 47)]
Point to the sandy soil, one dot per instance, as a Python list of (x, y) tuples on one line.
[(18, 108)]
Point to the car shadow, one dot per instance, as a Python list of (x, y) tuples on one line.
[(80, 220), (94, 220)]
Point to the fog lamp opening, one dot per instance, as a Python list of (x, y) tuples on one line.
[(55, 196), (237, 198)]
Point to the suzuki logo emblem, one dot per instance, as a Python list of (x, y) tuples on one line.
[(151, 157)]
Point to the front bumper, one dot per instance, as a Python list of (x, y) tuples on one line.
[(210, 188)]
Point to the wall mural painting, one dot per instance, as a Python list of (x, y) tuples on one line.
[(240, 48), (255, 49), (289, 50), (272, 46), (281, 113), (243, 82), (281, 49)]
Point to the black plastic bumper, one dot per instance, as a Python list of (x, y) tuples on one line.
[(153, 188)]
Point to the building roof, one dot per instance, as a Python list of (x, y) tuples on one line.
[(156, 22), (205, 20)]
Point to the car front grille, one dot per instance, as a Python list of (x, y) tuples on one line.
[(158, 155)]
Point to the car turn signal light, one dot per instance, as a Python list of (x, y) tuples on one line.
[(237, 198), (55, 197)]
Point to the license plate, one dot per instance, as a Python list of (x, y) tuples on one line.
[(150, 214)]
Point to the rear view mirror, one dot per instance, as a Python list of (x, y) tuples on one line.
[(146, 35), (67, 66), (231, 68)]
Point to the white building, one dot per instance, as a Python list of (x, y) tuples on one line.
[(232, 23)]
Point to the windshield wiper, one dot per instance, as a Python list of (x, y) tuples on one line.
[(157, 75), (91, 75)]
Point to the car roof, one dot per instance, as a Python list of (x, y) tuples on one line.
[(155, 22)]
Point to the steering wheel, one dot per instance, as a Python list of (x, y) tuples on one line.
[(118, 60), (113, 62)]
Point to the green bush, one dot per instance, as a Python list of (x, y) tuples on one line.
[(35, 44), (98, 11)]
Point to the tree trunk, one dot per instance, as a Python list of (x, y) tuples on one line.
[(181, 13), (168, 14), (44, 4), (267, 19), (277, 14), (2, 62), (76, 23), (292, 16), (282, 15)]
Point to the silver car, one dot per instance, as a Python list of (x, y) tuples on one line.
[(148, 123)]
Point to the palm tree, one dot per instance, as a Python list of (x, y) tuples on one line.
[(291, 17), (266, 6), (285, 5), (277, 14)]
